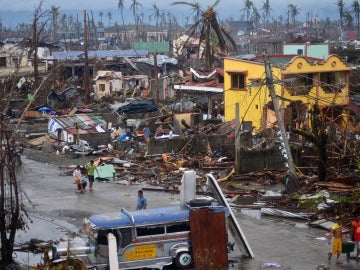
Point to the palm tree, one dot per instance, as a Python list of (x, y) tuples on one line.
[(63, 22), (121, 5), (255, 17), (140, 19), (266, 10), (186, 20), (294, 11), (101, 14), (163, 19), (348, 19), (71, 22), (247, 9), (133, 7), (157, 16), (110, 17), (54, 18), (356, 10), (341, 6), (208, 23)]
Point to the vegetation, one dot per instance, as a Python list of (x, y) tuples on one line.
[(67, 28), (13, 214), (208, 24)]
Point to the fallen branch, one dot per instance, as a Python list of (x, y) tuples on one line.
[(226, 177)]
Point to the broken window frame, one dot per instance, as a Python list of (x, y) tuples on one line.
[(302, 84), (332, 82)]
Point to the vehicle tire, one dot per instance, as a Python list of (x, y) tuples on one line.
[(200, 202), (183, 260)]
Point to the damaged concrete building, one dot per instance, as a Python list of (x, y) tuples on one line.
[(300, 82)]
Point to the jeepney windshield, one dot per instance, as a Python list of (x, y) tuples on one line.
[(123, 236)]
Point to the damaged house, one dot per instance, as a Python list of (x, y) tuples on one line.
[(73, 128), (70, 97), (17, 54), (202, 91), (299, 82), (108, 82)]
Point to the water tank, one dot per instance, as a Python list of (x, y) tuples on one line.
[(188, 187)]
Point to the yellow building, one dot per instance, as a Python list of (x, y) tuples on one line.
[(299, 82)]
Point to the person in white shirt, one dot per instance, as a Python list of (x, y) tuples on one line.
[(77, 177)]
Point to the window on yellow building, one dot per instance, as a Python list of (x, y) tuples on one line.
[(102, 87), (238, 81)]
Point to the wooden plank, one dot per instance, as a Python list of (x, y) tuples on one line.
[(33, 114), (209, 239)]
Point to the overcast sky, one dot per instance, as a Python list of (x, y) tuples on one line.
[(226, 8)]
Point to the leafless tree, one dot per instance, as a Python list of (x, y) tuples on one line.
[(12, 211)]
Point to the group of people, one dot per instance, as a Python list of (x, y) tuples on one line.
[(80, 182), (337, 244), (118, 136)]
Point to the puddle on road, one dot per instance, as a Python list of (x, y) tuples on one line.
[(301, 225), (254, 213)]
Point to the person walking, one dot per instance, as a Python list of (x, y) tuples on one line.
[(142, 202), (91, 167), (356, 235), (77, 177), (147, 134), (116, 133), (336, 233), (159, 131)]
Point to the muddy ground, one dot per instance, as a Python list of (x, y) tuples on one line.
[(56, 213)]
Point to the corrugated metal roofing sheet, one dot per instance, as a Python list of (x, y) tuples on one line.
[(86, 123), (77, 55), (96, 119), (159, 47), (199, 88)]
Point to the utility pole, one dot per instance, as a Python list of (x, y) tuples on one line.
[(156, 79), (237, 139), (292, 181), (86, 64)]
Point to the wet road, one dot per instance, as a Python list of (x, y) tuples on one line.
[(56, 210)]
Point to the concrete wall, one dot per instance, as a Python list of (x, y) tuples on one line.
[(251, 161), (95, 139), (27, 128), (216, 142)]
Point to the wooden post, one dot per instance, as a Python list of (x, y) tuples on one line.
[(77, 133), (156, 79), (86, 64), (237, 139)]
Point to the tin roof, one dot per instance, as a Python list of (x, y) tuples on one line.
[(200, 88), (77, 55), (159, 47), (86, 123)]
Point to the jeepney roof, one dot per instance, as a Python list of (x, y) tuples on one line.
[(141, 217)]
